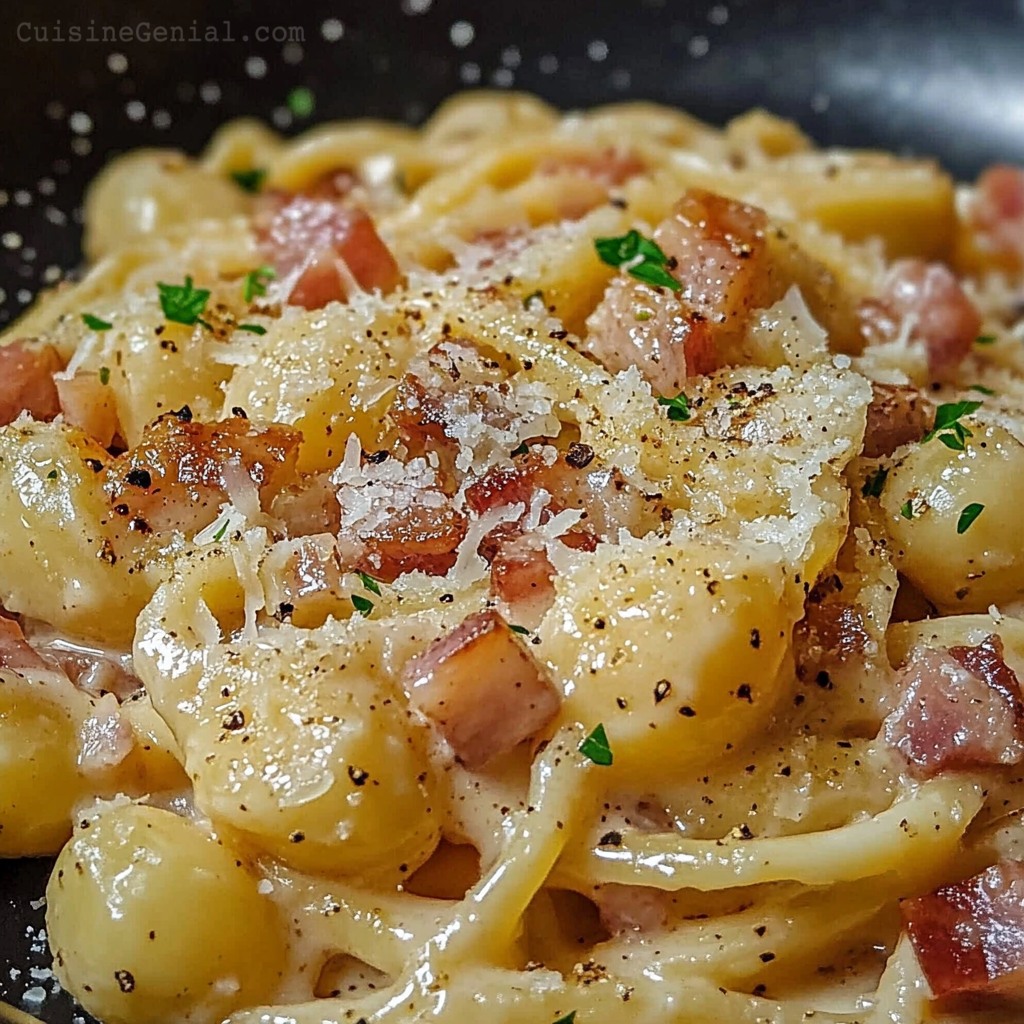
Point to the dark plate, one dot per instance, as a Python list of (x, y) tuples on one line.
[(941, 77)]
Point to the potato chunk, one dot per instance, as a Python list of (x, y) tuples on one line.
[(152, 921)]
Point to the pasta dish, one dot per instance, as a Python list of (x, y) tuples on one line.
[(533, 569)]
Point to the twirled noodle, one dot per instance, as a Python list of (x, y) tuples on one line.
[(493, 567)]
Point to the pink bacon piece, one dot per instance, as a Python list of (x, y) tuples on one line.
[(718, 252), (969, 936), (182, 470), (961, 708), (26, 381), (944, 318), (315, 234), (482, 688)]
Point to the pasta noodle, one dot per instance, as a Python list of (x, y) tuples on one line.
[(533, 568)]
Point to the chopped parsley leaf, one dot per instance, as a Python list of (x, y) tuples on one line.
[(595, 747), (521, 630), (907, 509), (947, 417), (94, 323), (369, 582), (251, 180), (521, 450), (252, 328), (639, 257), (969, 514), (569, 1018), (982, 389), (183, 304), (953, 441), (874, 483), (255, 282), (52, 475), (363, 605), (301, 101), (678, 407), (538, 295), (104, 374), (985, 339)]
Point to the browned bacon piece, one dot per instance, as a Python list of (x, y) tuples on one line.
[(522, 577), (718, 252), (482, 688), (607, 501), (26, 381), (316, 233), (302, 579), (960, 708), (415, 538), (897, 415), (88, 403), (945, 319), (182, 470), (969, 936)]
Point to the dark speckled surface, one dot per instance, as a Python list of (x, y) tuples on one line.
[(941, 77)]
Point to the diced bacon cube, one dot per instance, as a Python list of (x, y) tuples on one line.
[(969, 936), (897, 415), (960, 708), (302, 579), (317, 234), (522, 578), (26, 381), (181, 471), (944, 318), (718, 253), (482, 688)]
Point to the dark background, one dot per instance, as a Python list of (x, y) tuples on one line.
[(940, 77)]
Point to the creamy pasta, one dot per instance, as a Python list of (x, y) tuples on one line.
[(528, 569)]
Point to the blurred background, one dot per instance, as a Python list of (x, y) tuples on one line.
[(938, 77), (942, 77)]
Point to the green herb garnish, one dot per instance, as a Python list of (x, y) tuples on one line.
[(521, 450), (538, 295), (947, 418), (907, 509), (982, 389), (252, 328), (219, 535), (183, 303), (52, 475), (301, 101), (104, 374), (369, 582), (639, 257), (595, 747), (255, 282), (521, 630), (985, 339), (251, 180), (874, 483), (362, 605), (567, 1019), (969, 514), (94, 323), (678, 407)]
